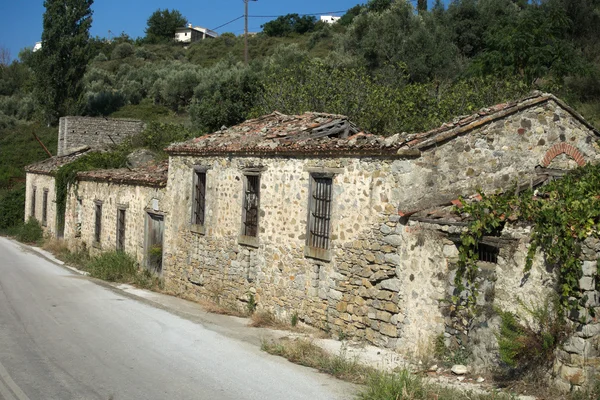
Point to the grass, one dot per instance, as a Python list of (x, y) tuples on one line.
[(378, 385), (305, 352)]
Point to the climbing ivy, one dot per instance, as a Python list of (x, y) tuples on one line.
[(66, 175), (562, 213)]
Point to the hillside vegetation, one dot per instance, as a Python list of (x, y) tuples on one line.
[(389, 67)]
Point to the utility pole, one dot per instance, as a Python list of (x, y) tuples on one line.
[(246, 57)]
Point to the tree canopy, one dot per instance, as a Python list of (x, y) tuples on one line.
[(290, 23), (61, 63), (162, 24)]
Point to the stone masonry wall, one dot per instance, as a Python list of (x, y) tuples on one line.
[(97, 133), (137, 202), (41, 183)]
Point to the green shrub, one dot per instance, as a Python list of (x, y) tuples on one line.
[(12, 207), (113, 266), (30, 232), (528, 343), (123, 50)]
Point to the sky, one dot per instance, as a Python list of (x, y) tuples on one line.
[(21, 20)]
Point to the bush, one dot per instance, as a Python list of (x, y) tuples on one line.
[(527, 343), (104, 103), (12, 207), (30, 232), (114, 266), (123, 50)]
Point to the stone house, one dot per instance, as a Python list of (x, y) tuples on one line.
[(76, 136), (120, 209), (40, 191), (308, 216)]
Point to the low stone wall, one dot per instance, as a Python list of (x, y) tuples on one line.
[(96, 133)]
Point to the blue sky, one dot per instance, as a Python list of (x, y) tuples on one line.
[(21, 20)]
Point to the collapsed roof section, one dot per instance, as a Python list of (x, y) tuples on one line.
[(321, 134), (153, 175), (50, 165)]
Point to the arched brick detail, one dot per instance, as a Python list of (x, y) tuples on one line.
[(563, 148)]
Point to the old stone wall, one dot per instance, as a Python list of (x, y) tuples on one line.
[(496, 155), (385, 279), (578, 361), (97, 133), (41, 183), (137, 201)]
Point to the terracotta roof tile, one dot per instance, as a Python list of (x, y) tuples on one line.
[(50, 165), (154, 175)]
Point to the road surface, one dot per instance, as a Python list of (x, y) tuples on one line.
[(64, 337)]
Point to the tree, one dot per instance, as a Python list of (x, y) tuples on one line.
[(350, 15), (61, 63), (4, 56), (290, 23), (162, 25), (422, 6)]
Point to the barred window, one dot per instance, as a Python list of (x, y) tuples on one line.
[(33, 200), (199, 206), (251, 204), (320, 212), (488, 253), (45, 207), (98, 222), (121, 229)]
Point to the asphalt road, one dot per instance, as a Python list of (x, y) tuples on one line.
[(64, 337)]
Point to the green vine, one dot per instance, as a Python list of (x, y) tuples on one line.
[(562, 213), (67, 175)]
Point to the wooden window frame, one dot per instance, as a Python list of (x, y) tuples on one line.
[(45, 207), (121, 228), (97, 222), (320, 212), (198, 215), (250, 227)]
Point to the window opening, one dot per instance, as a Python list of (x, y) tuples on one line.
[(251, 201), (45, 207), (33, 202), (98, 223), (199, 198), (320, 212), (121, 229), (488, 253), (79, 218)]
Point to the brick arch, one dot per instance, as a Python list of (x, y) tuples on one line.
[(563, 148)]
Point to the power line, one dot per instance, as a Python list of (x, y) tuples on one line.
[(227, 23), (310, 14)]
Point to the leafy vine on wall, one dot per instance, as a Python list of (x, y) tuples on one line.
[(562, 214)]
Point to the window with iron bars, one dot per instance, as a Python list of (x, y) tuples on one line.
[(32, 211), (319, 222), (251, 205), (45, 207), (121, 229), (98, 222), (488, 253), (199, 207)]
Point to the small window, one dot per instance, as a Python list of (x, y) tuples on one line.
[(488, 253), (98, 222), (79, 217), (251, 202), (45, 207), (320, 212), (121, 229), (199, 206), (33, 200)]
